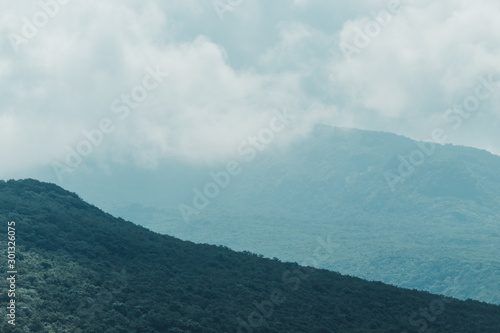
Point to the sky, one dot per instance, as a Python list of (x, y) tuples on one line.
[(140, 83)]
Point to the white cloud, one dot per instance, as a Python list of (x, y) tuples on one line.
[(66, 78), (429, 57), (227, 77)]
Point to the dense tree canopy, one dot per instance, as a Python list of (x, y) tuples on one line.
[(82, 270)]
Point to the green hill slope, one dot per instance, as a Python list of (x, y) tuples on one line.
[(82, 270)]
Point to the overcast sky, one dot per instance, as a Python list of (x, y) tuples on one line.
[(70, 66)]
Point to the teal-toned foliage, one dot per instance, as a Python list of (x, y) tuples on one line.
[(82, 270)]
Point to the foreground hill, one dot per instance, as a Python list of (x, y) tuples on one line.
[(82, 270), (412, 214)]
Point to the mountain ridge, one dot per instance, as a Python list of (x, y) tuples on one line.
[(435, 230)]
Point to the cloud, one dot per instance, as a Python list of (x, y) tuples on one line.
[(429, 57), (226, 77), (67, 77)]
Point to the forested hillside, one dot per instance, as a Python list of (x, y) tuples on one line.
[(82, 270)]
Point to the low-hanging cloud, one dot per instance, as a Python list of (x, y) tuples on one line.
[(224, 84), (429, 58)]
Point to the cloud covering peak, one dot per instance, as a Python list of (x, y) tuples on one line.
[(68, 67)]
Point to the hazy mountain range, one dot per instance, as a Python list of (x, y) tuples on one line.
[(417, 215)]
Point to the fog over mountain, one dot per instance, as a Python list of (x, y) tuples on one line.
[(178, 79), (356, 137)]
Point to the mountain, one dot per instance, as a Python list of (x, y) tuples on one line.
[(413, 214), (82, 270)]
